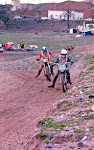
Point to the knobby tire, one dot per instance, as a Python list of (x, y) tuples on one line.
[(48, 72), (64, 86)]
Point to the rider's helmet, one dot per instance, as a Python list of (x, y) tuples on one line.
[(63, 51), (44, 48)]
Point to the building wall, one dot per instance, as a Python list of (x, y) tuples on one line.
[(77, 15), (62, 15), (16, 5)]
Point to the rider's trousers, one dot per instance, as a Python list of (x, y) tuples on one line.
[(58, 72)]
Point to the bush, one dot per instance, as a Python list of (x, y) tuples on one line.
[(41, 136)]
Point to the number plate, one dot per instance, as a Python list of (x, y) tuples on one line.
[(45, 60), (62, 67)]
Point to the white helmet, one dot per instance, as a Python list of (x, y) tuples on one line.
[(63, 51)]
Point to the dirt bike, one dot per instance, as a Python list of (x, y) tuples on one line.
[(47, 69), (63, 75)]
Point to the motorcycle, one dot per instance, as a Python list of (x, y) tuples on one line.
[(63, 75), (47, 69)]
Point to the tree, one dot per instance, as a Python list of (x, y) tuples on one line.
[(39, 14), (68, 13)]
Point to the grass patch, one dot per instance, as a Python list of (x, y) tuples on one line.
[(64, 109), (88, 93), (62, 103), (41, 136), (51, 40), (86, 104), (49, 123), (91, 68), (45, 122), (80, 130), (67, 103), (88, 111), (91, 129), (80, 133), (85, 87), (89, 59)]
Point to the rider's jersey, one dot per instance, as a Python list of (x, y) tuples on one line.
[(44, 55), (63, 59)]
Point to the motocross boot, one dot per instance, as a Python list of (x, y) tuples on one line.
[(68, 77), (49, 79), (52, 86), (69, 80), (38, 74)]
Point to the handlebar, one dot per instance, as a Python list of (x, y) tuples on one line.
[(62, 64)]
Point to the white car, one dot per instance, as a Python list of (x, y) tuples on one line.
[(17, 17), (31, 47), (1, 49)]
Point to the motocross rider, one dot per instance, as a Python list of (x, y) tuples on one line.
[(44, 54), (63, 58)]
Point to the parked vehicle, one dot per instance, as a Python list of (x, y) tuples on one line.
[(86, 33), (46, 68), (9, 46), (1, 48), (21, 46), (31, 47)]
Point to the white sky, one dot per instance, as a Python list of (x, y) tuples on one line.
[(34, 1)]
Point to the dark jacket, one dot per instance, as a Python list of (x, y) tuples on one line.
[(63, 60)]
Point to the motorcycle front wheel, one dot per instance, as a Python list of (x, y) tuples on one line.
[(48, 74), (63, 82)]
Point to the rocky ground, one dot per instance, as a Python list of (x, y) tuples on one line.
[(34, 117)]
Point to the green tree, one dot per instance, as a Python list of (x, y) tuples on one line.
[(68, 13), (39, 14)]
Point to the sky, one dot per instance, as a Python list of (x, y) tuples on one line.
[(34, 1)]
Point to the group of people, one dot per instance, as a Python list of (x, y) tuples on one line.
[(62, 58)]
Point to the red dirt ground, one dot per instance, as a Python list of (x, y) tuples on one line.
[(24, 101)]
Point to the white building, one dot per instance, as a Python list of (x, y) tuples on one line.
[(15, 5), (62, 15)]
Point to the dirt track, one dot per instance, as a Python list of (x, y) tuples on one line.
[(25, 100)]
